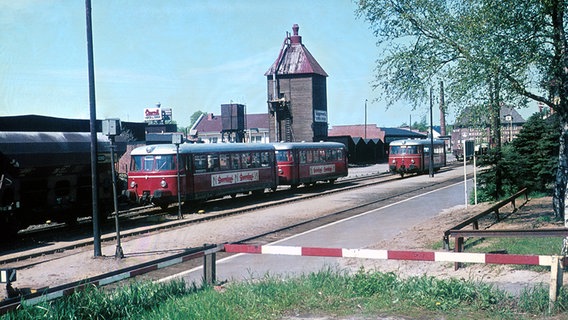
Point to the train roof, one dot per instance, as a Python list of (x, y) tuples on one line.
[(42, 149), (415, 142), (307, 145), (20, 142), (201, 148)]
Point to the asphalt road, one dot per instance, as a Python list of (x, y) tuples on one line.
[(360, 231)]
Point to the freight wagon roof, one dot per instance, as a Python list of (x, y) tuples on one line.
[(12, 142), (38, 149), (202, 148)]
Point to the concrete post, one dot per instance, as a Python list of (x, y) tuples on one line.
[(556, 280), (209, 268)]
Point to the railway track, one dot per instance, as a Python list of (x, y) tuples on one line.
[(148, 219), (284, 231)]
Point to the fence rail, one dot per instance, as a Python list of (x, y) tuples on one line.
[(475, 219)]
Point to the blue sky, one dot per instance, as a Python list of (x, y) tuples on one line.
[(188, 55)]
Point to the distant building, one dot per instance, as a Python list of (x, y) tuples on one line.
[(209, 129), (477, 127)]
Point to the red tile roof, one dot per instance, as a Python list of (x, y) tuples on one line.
[(358, 130)]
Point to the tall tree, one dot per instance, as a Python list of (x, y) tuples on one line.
[(489, 52)]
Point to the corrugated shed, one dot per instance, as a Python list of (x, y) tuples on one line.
[(294, 58)]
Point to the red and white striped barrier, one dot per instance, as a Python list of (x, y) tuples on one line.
[(393, 254), (555, 262)]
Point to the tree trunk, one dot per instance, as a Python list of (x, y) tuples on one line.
[(558, 199), (495, 116)]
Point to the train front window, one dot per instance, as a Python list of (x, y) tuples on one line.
[(152, 163), (404, 150), (283, 156), (164, 163), (136, 163)]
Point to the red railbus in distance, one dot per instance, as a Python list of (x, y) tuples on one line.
[(206, 171), (309, 162), (413, 156)]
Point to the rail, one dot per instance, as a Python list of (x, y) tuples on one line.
[(475, 219)]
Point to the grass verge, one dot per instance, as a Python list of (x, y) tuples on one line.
[(331, 293)]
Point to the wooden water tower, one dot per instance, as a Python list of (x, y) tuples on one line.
[(297, 93)]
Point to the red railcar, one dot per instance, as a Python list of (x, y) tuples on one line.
[(206, 171), (309, 162), (413, 156)]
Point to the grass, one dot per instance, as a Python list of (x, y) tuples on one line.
[(329, 292)]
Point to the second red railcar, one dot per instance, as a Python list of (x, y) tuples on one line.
[(309, 162)]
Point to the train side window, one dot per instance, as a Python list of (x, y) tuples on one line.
[(265, 159), (246, 160), (212, 162), (200, 163), (225, 162), (309, 156), (255, 160), (235, 163), (303, 156)]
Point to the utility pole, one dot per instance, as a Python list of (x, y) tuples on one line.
[(93, 125)]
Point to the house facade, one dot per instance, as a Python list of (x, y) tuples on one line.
[(209, 129)]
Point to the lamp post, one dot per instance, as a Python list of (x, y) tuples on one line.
[(176, 139), (431, 166), (111, 128)]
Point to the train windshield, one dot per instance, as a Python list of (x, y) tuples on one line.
[(153, 163), (284, 156), (404, 150)]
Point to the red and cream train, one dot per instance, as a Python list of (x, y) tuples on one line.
[(413, 156), (208, 171)]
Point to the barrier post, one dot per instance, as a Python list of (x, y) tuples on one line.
[(209, 268), (556, 279), (458, 247)]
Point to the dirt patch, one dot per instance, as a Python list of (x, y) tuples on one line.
[(427, 236)]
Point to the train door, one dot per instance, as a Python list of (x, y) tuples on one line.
[(186, 175), (425, 159)]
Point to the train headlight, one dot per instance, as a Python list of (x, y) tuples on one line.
[(164, 184), (393, 161), (132, 184), (412, 161)]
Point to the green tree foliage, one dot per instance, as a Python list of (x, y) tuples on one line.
[(487, 52), (530, 161)]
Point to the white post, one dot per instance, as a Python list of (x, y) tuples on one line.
[(464, 174), (474, 178)]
